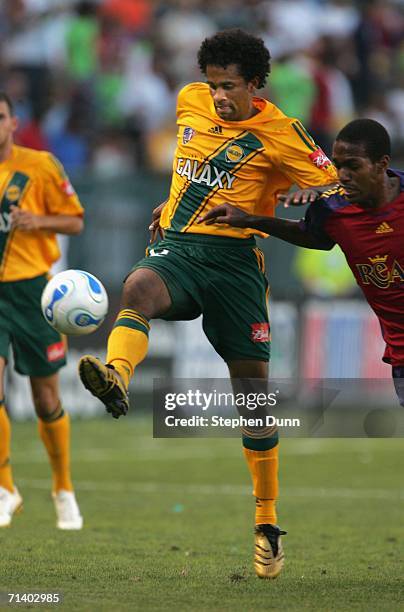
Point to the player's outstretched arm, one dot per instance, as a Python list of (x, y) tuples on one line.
[(300, 197), (285, 229)]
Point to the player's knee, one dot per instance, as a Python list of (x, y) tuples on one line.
[(45, 401), (145, 292)]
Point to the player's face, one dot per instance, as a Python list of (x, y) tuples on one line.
[(232, 95), (358, 175), (8, 125)]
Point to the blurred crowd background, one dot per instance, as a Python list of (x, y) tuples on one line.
[(95, 81)]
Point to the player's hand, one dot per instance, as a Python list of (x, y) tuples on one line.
[(226, 213), (298, 198), (24, 220), (154, 227)]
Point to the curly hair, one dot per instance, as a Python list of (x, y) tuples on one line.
[(235, 46)]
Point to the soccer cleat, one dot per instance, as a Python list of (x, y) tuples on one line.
[(10, 503), (268, 557), (104, 382), (67, 510)]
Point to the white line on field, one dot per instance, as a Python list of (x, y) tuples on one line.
[(218, 489), (150, 450)]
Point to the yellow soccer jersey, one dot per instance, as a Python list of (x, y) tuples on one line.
[(245, 163), (34, 181)]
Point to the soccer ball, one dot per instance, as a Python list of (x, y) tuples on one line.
[(74, 302)]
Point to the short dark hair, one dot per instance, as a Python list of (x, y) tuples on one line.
[(4, 97), (235, 46), (369, 133)]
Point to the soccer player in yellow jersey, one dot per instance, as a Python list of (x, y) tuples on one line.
[(232, 147), (36, 202)]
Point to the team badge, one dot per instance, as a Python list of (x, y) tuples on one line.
[(187, 135), (260, 332), (320, 159), (13, 193), (234, 153)]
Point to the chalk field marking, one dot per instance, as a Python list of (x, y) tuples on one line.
[(212, 489)]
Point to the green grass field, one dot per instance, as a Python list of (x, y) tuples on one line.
[(169, 524)]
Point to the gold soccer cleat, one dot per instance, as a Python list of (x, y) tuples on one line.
[(104, 382), (268, 557)]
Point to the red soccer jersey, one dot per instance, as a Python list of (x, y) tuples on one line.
[(373, 244)]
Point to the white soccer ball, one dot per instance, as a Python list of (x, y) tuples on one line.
[(74, 302)]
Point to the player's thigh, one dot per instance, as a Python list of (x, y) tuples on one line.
[(145, 291), (162, 285), (45, 393), (235, 310), (249, 368), (39, 350)]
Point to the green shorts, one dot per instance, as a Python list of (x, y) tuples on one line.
[(224, 280), (38, 349)]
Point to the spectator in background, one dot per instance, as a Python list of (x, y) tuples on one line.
[(292, 88), (82, 43), (333, 103), (181, 25), (125, 60), (324, 274)]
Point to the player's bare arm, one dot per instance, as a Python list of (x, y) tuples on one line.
[(155, 227), (27, 221), (285, 229), (300, 197)]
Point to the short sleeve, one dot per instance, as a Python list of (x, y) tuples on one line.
[(314, 223), (60, 196), (301, 160)]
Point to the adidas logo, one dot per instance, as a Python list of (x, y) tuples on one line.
[(384, 228), (216, 129)]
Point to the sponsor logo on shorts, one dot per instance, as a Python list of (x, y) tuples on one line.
[(234, 153), (320, 159), (55, 352), (13, 193), (260, 332), (187, 135)]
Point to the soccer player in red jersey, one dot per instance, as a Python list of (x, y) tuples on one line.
[(364, 214)]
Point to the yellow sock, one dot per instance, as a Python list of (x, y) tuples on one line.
[(6, 477), (263, 466), (55, 435), (128, 343)]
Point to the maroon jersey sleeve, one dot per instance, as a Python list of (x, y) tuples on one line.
[(314, 223)]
